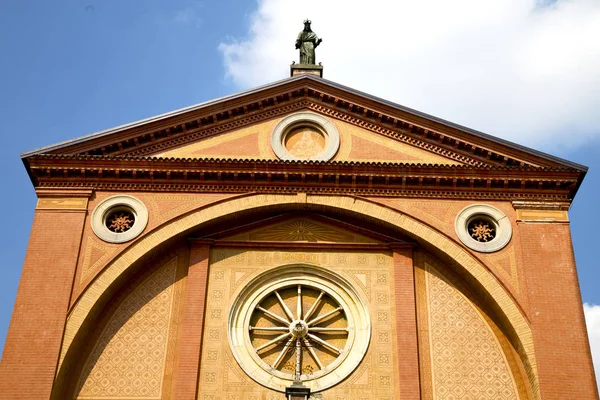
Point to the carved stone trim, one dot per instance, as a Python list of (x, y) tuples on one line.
[(540, 205), (541, 211), (60, 203), (82, 193)]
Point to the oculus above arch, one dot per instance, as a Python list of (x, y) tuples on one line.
[(483, 228), (119, 219)]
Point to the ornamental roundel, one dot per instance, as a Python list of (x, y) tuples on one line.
[(483, 228), (305, 136), (299, 323), (119, 219)]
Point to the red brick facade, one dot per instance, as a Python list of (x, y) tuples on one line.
[(523, 298), (35, 335)]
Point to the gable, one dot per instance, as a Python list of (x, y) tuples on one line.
[(381, 147), (356, 144), (160, 134)]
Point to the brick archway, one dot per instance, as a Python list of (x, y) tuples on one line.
[(403, 222)]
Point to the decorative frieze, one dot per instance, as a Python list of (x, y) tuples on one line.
[(270, 176)]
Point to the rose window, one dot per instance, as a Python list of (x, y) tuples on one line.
[(119, 219), (298, 330), (483, 228), (299, 323)]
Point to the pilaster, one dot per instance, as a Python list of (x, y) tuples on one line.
[(186, 380), (406, 323), (561, 345), (37, 326)]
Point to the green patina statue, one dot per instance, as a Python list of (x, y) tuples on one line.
[(307, 42)]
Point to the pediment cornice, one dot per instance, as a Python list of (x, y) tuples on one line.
[(274, 176)]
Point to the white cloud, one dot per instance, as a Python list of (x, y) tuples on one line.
[(592, 319), (517, 69)]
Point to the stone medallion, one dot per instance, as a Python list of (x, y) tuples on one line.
[(305, 136)]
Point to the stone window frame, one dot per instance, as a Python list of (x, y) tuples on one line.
[(116, 203), (493, 215), (320, 123)]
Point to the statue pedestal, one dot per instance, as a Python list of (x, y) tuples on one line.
[(297, 392), (297, 69)]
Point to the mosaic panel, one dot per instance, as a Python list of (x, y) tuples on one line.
[(302, 230)]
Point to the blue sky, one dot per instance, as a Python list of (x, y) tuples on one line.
[(521, 70)]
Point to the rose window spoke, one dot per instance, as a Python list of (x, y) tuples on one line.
[(294, 341)]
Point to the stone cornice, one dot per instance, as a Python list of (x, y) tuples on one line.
[(272, 176)]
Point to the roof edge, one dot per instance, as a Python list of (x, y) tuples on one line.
[(319, 80), (159, 117), (450, 124)]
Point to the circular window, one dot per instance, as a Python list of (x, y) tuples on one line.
[(119, 219), (483, 228), (299, 323), (305, 136)]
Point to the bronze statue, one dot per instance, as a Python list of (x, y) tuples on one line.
[(307, 42)]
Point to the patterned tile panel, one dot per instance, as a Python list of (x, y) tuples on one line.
[(467, 360), (370, 272), (128, 359)]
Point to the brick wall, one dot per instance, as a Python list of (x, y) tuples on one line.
[(559, 332), (36, 328)]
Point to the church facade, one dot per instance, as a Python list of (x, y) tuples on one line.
[(298, 240)]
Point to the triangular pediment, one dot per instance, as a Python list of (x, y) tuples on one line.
[(237, 144), (238, 127), (357, 144)]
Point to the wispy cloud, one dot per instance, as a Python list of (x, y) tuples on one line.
[(592, 319), (190, 15), (523, 70)]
